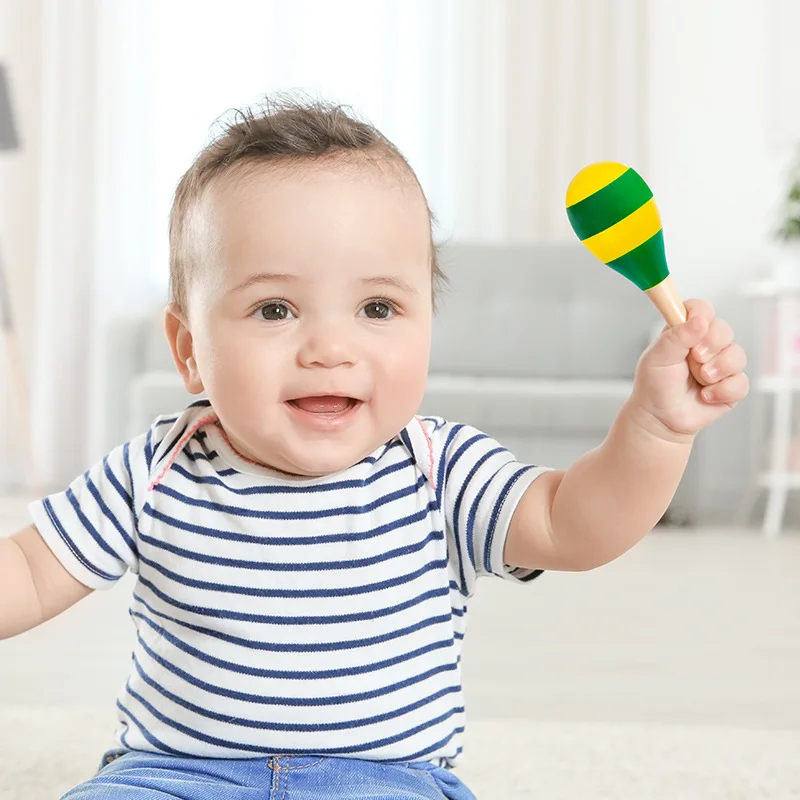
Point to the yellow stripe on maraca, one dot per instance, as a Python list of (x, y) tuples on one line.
[(591, 180), (626, 235)]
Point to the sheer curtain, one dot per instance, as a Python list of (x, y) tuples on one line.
[(496, 105), (544, 88), (92, 213)]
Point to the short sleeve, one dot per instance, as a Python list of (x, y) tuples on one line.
[(480, 484), (92, 526)]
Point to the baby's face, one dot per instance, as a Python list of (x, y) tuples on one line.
[(311, 324)]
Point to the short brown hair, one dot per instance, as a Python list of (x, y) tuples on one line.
[(284, 129)]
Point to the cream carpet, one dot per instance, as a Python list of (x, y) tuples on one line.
[(45, 752)]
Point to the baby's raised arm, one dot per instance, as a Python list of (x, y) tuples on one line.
[(34, 586)]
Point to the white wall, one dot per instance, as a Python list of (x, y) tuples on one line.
[(20, 51), (716, 156)]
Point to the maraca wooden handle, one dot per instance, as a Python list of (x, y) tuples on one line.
[(665, 298)]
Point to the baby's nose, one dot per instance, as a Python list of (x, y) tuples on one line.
[(326, 346)]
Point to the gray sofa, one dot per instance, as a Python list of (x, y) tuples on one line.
[(534, 344)]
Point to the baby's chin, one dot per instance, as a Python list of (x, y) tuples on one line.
[(296, 458), (319, 464)]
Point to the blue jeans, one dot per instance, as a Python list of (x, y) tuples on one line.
[(138, 775)]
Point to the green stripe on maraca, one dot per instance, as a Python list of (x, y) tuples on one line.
[(609, 205), (645, 265), (612, 210)]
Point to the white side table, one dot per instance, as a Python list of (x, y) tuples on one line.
[(774, 473)]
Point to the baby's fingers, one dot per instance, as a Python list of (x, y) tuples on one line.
[(717, 338), (729, 361), (729, 390)]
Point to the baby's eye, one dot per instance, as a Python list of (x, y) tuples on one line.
[(274, 311), (378, 309)]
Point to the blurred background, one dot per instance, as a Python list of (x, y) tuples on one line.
[(496, 105)]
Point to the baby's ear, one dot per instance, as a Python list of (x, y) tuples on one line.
[(180, 341)]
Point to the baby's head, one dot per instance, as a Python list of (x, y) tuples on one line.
[(303, 275)]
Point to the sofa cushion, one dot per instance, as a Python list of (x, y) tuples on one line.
[(537, 311)]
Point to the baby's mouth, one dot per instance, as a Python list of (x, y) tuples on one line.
[(324, 404)]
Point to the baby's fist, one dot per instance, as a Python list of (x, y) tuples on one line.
[(692, 374)]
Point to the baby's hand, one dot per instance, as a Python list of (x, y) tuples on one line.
[(690, 376)]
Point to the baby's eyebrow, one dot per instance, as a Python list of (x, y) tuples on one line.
[(285, 277), (264, 277), (393, 281)]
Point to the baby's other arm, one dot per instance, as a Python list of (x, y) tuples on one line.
[(34, 586)]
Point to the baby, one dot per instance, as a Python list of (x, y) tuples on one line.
[(305, 544)]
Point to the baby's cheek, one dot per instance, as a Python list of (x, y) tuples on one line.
[(242, 374), (405, 372)]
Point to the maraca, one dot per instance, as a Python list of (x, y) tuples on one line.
[(613, 212)]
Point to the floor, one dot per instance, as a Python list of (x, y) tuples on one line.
[(691, 626)]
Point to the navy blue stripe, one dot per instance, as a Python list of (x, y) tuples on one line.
[(465, 486), (148, 449), (296, 727), (333, 700), (239, 511), (119, 488), (438, 422), (73, 548), (155, 741), (324, 538), (126, 457), (443, 463), (340, 672), (463, 447), (169, 448), (302, 647), (471, 517), (487, 551), (455, 587), (285, 647), (209, 456), (253, 591), (165, 421), (87, 524), (160, 745), (123, 737), (357, 748), (422, 754), (267, 489), (295, 566), (109, 514), (405, 437), (272, 619)]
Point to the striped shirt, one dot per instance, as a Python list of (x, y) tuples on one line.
[(292, 615)]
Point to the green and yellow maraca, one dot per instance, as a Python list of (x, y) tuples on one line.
[(613, 212)]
